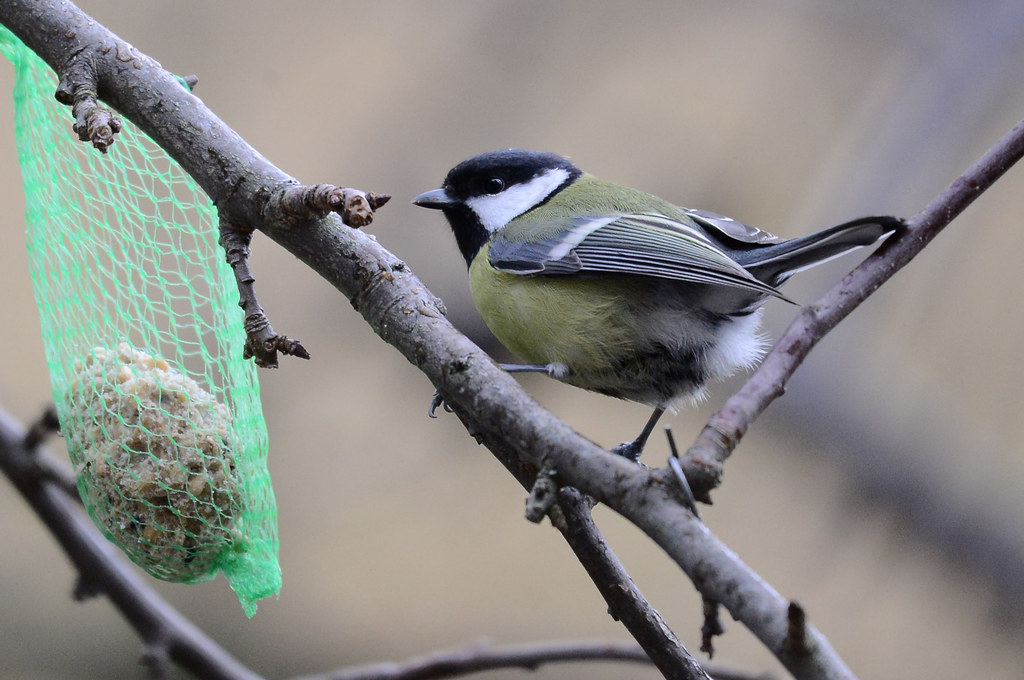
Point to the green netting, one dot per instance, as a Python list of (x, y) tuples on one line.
[(144, 343)]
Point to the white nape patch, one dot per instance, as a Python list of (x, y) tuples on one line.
[(496, 210), (739, 345)]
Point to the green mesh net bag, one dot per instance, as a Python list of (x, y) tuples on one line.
[(140, 322)]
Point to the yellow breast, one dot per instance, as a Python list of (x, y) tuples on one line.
[(545, 320)]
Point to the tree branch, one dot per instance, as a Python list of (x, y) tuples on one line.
[(451, 663), (403, 312), (703, 462), (625, 601), (247, 189), (483, 656), (262, 343), (169, 636), (570, 514)]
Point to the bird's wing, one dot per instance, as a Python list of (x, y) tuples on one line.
[(731, 229), (641, 244)]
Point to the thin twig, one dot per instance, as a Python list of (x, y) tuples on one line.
[(94, 123), (543, 495), (483, 656), (712, 627), (45, 467), (625, 601), (262, 343), (303, 203), (43, 427), (451, 663)]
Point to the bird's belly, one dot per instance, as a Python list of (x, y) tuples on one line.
[(551, 320), (623, 340)]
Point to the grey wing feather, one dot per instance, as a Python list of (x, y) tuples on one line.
[(516, 257), (635, 244), (730, 228)]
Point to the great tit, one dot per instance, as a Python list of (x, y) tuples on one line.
[(614, 290)]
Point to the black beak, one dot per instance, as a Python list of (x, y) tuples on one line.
[(436, 200)]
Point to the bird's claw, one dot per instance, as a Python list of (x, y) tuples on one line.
[(689, 500), (436, 401), (629, 450)]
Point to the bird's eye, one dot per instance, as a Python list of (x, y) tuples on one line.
[(494, 185)]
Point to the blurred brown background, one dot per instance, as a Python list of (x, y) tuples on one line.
[(885, 492)]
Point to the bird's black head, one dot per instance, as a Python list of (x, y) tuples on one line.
[(483, 194)]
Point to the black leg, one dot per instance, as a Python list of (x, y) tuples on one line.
[(527, 368), (633, 449)]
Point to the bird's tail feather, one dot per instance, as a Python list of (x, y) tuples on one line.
[(775, 263)]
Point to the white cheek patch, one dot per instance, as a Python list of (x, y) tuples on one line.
[(496, 210)]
